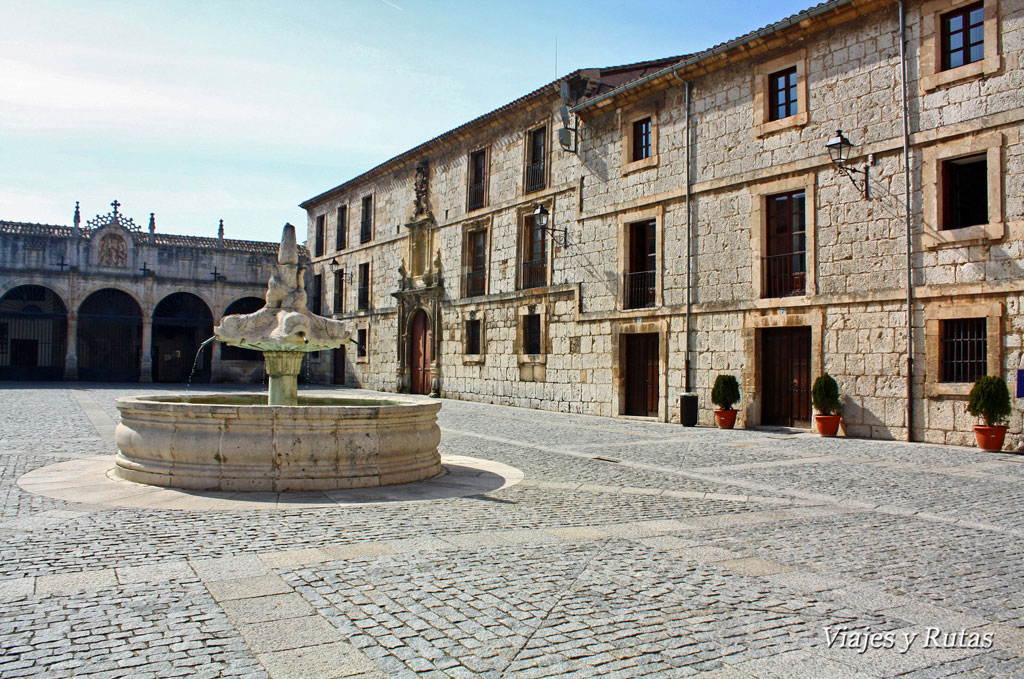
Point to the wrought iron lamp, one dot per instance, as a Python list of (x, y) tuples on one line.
[(541, 219), (839, 152), (335, 265)]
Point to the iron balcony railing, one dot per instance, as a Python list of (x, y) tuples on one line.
[(534, 274), (364, 299), (476, 196), (783, 275), (535, 176), (475, 281), (639, 288), (364, 232)]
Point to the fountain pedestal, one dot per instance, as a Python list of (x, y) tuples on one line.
[(283, 377)]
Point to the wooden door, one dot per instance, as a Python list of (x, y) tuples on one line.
[(642, 374), (420, 353), (786, 377)]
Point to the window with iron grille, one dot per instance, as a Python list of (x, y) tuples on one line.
[(964, 349), (339, 291), (640, 279), (531, 334), (536, 160), (963, 36), (341, 230), (473, 337), (782, 94), (364, 287), (477, 178), (318, 247), (534, 261), (641, 139), (964, 192), (361, 335), (784, 266), (476, 263), (316, 294), (366, 220)]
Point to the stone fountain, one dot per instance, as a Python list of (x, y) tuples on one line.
[(279, 441)]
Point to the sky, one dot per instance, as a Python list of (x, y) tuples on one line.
[(240, 110)]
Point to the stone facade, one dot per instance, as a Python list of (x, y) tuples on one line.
[(108, 300), (691, 217)]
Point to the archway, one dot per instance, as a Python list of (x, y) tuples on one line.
[(420, 353), (109, 337), (245, 305), (33, 334), (181, 323)]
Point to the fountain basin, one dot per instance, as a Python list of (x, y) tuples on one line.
[(236, 442)]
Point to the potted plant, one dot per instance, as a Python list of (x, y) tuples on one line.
[(724, 394), (825, 399), (990, 400)]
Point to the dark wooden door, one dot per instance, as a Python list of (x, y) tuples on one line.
[(786, 377), (420, 353), (339, 365), (641, 361), (24, 353)]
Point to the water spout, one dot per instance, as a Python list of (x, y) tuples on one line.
[(195, 361)]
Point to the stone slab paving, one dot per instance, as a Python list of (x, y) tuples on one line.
[(628, 549)]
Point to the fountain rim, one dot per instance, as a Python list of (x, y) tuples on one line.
[(178, 403)]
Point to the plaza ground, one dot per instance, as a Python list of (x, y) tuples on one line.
[(628, 548)]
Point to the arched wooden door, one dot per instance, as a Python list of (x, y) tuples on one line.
[(420, 353)]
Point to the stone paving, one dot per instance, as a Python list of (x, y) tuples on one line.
[(629, 549)]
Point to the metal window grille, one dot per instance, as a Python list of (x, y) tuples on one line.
[(363, 295), (477, 169), (339, 292), (473, 337), (536, 175), (784, 265), (316, 294), (534, 274), (318, 249), (341, 230), (642, 139), (366, 220), (782, 94), (361, 342), (964, 346), (639, 287), (963, 36)]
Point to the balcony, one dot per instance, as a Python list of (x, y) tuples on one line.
[(363, 299), (365, 232), (476, 196), (783, 275), (476, 283), (639, 289), (535, 274), (536, 178)]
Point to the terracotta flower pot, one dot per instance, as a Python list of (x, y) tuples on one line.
[(827, 425), (726, 418), (990, 438)]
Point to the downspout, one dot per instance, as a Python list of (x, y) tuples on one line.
[(687, 384), (909, 226)]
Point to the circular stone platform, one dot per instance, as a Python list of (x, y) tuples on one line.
[(90, 480)]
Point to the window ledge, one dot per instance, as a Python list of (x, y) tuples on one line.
[(533, 359), (977, 69), (473, 359), (951, 389), (933, 239), (637, 165), (795, 120)]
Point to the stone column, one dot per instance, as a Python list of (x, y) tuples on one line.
[(216, 369), (71, 349), (283, 371), (146, 356)]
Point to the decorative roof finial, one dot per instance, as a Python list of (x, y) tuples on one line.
[(115, 205), (220, 230), (78, 216), (152, 222)]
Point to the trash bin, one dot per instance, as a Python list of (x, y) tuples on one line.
[(688, 410)]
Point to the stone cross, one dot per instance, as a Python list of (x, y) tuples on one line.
[(115, 205)]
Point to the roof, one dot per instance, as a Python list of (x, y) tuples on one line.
[(160, 239), (597, 81)]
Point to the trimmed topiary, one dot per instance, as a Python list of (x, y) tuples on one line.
[(825, 396), (990, 400), (726, 391)]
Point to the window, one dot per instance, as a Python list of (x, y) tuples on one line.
[(964, 192), (782, 94), (476, 263), (963, 36), (361, 336), (318, 247), (341, 228), (536, 159), (964, 349), (640, 279), (473, 337), (339, 291), (366, 220), (783, 265), (364, 287), (316, 294), (531, 334), (641, 139), (477, 179), (534, 259)]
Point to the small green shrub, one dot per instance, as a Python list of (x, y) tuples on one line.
[(825, 396), (725, 392), (990, 400)]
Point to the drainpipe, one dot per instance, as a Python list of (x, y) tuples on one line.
[(909, 227), (687, 384)]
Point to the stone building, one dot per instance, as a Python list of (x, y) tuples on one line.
[(107, 300), (700, 215)]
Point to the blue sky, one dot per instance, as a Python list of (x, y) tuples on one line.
[(200, 111)]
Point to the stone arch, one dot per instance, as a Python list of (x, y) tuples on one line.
[(242, 305), (109, 336), (33, 333), (182, 321)]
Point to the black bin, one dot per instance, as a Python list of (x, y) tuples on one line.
[(688, 410)]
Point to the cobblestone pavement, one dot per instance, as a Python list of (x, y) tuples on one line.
[(630, 549)]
